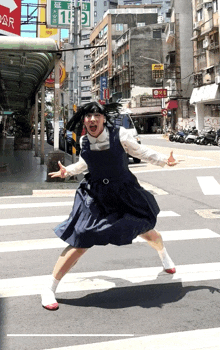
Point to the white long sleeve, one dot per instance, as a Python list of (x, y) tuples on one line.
[(129, 144), (137, 150), (77, 168)]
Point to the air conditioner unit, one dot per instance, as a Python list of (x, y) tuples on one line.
[(196, 25), (158, 81), (217, 79), (205, 43)]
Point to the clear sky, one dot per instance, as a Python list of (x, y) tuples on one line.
[(28, 30)]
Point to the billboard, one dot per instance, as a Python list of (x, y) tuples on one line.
[(10, 17), (44, 31)]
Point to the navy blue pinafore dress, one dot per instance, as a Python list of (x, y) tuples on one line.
[(110, 206)]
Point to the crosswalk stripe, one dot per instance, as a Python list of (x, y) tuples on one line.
[(53, 219), (103, 280), (209, 185), (53, 243), (35, 205), (205, 339)]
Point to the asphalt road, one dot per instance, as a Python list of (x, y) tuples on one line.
[(119, 297)]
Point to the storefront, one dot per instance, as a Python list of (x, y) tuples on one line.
[(207, 106), (148, 120)]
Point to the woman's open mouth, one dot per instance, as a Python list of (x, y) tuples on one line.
[(93, 128)]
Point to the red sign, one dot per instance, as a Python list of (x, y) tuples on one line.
[(10, 17), (50, 81), (106, 94), (159, 93), (164, 112)]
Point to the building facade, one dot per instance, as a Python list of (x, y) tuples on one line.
[(206, 96), (163, 13), (179, 64)]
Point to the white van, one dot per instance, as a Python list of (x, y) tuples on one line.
[(124, 119)]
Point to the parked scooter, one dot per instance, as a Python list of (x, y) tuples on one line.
[(192, 136), (180, 136), (217, 138), (208, 137), (172, 136)]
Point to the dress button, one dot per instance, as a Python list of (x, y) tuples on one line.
[(105, 181)]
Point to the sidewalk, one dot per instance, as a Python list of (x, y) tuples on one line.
[(21, 172)]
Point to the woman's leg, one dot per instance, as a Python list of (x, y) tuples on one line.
[(155, 240), (66, 260)]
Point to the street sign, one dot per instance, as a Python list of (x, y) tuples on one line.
[(103, 86), (159, 93), (58, 14), (164, 112), (10, 17), (157, 67)]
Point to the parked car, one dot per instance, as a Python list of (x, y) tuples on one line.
[(125, 120), (122, 119)]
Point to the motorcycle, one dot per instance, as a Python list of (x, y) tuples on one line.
[(172, 136), (192, 136), (217, 138), (208, 137), (180, 136)]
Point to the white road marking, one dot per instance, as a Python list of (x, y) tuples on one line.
[(174, 169), (33, 220), (181, 235), (103, 280), (54, 219), (200, 339), (35, 205), (56, 243), (209, 185)]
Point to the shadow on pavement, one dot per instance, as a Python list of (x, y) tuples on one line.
[(145, 296)]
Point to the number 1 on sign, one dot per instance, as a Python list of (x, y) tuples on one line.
[(64, 16)]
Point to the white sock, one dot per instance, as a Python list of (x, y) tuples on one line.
[(48, 293), (165, 259)]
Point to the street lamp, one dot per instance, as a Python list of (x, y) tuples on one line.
[(152, 59)]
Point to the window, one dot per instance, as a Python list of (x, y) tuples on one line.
[(86, 57), (119, 26), (199, 15), (157, 33), (95, 3), (105, 3), (140, 24), (86, 67), (215, 5), (95, 13)]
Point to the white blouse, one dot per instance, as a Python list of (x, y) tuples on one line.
[(129, 144)]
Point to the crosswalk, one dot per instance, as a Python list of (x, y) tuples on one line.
[(104, 280)]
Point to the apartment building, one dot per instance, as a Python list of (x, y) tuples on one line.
[(112, 27), (206, 95), (179, 64), (164, 10)]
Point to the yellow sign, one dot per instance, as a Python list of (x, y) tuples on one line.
[(50, 81), (157, 66), (43, 31)]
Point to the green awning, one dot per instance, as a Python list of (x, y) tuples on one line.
[(25, 63)]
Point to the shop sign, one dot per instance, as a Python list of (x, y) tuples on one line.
[(159, 93), (50, 81)]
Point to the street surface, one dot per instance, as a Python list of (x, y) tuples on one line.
[(119, 297)]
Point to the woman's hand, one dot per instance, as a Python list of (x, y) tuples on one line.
[(61, 173), (171, 160)]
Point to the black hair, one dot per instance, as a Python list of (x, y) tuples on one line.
[(110, 110)]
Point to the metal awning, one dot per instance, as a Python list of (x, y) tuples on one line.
[(25, 63), (145, 110), (205, 93)]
